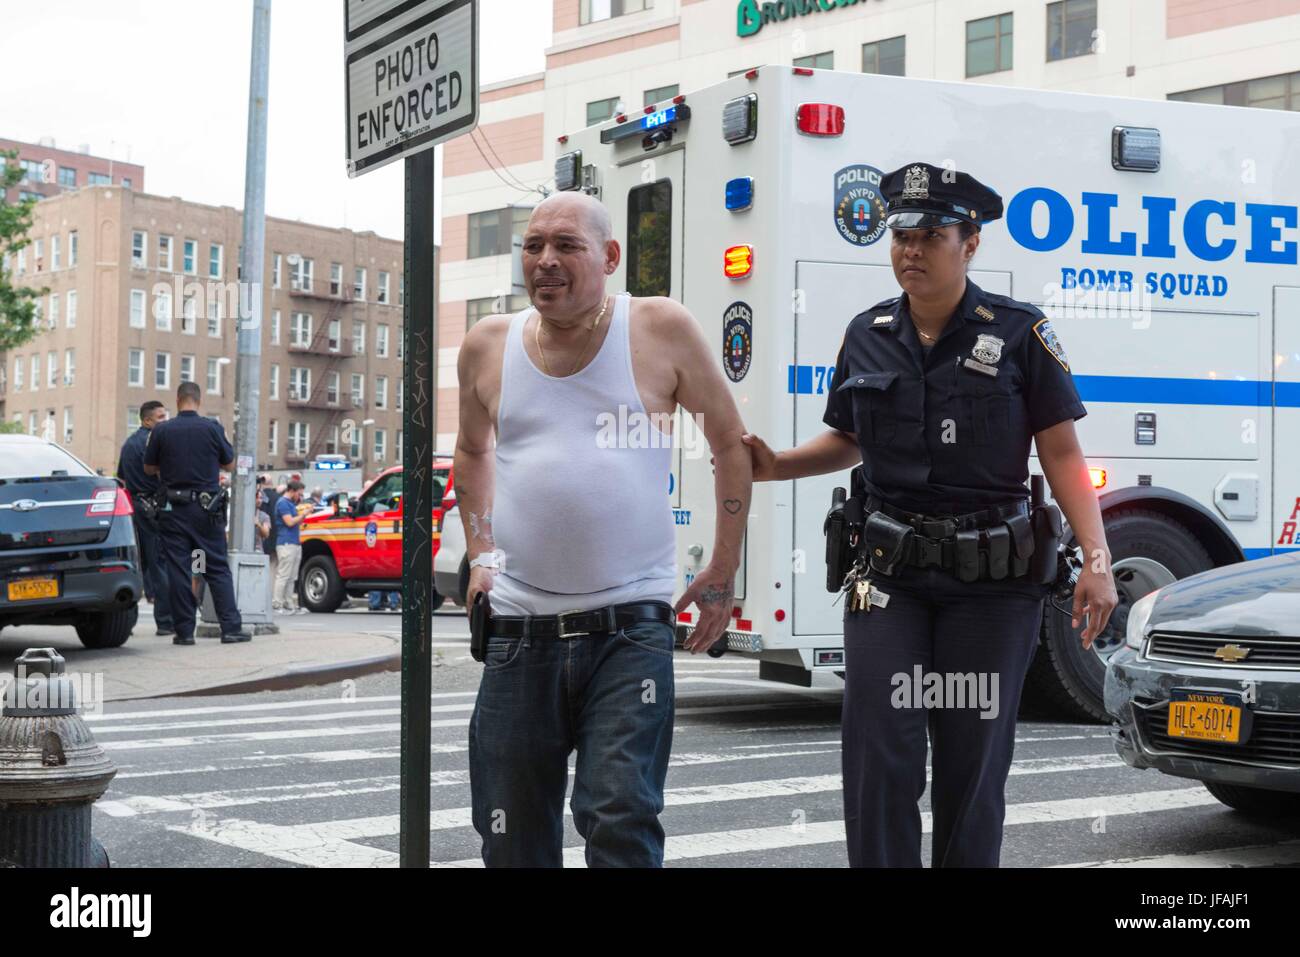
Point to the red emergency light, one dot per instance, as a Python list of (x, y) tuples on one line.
[(738, 262), (820, 119)]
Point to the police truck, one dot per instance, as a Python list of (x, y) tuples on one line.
[(1160, 237)]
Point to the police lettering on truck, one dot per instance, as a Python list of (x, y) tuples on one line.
[(1159, 249)]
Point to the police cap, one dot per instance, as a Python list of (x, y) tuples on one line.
[(921, 195)]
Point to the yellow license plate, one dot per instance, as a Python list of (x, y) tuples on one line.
[(1205, 717), (25, 589)]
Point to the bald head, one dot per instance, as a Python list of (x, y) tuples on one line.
[(585, 210)]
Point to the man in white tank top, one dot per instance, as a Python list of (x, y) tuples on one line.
[(570, 539)]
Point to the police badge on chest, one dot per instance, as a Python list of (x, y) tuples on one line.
[(985, 355)]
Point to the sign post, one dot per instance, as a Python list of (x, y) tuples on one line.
[(411, 70)]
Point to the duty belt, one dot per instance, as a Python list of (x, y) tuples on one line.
[(993, 543), (577, 624), (947, 526), (181, 496)]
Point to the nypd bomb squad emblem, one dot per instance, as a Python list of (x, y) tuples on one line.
[(1047, 336), (737, 340), (859, 207)]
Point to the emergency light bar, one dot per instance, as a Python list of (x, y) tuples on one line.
[(568, 171), (661, 119), (1135, 148), (740, 119)]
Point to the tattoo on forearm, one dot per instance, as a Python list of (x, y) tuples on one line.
[(481, 527), (717, 594)]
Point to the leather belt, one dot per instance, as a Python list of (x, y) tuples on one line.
[(578, 624), (946, 526)]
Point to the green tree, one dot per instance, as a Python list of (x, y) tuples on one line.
[(12, 428), (17, 303)]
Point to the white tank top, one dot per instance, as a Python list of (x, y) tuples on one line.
[(581, 510)]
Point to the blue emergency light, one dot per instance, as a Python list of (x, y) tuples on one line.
[(740, 193), (648, 123)]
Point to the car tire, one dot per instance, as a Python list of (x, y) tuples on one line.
[(1066, 677), (319, 587), (1256, 802), (108, 629)]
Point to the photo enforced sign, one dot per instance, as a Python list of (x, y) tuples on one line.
[(412, 77)]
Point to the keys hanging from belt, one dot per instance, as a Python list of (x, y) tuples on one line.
[(862, 594)]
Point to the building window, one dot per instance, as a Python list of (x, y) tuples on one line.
[(299, 384), (401, 338), (22, 261), (359, 284), (189, 316), (18, 374), (70, 321), (380, 444), (816, 61), (38, 312), (358, 391), (275, 327), (660, 94), (332, 443), (187, 369), (988, 45), (136, 319), (649, 239), (56, 257), (138, 252), (214, 260), (31, 423), (300, 330), (598, 111), (381, 341), (135, 367), (272, 437), (1280, 92), (67, 177), (358, 337), (189, 253), (381, 294), (165, 253), (162, 370), (476, 309), (381, 392), (162, 311), (67, 425), (401, 289), (53, 319), (885, 56), (336, 279), (354, 447), (126, 182), (214, 377), (69, 366), (31, 171), (99, 179), (1070, 28), (214, 319), (332, 388), (274, 388), (397, 445), (335, 335), (401, 393), (72, 249), (298, 433), (38, 252), (275, 272), (490, 232), (51, 370), (593, 11), (300, 273)]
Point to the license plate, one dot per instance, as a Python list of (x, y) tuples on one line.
[(26, 589), (1206, 716)]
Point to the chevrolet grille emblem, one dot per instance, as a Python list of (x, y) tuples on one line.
[(1231, 653)]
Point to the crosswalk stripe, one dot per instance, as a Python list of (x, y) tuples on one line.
[(265, 706), (278, 719), (1284, 854)]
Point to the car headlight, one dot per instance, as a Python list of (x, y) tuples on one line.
[(1138, 616)]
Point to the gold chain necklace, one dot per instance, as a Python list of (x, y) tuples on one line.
[(537, 338)]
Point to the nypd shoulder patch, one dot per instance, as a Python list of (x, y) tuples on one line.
[(1051, 342)]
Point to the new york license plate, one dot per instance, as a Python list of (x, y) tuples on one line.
[(1205, 716), (26, 589)]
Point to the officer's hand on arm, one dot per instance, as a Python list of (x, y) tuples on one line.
[(1066, 471), (832, 451)]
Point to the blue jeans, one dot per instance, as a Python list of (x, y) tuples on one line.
[(610, 697), (384, 599)]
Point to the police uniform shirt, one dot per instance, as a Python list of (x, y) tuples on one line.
[(130, 465), (189, 451), (947, 430)]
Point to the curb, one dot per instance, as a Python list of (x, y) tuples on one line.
[(295, 678)]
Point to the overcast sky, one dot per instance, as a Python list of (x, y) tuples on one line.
[(164, 83)]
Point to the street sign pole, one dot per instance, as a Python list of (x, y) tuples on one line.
[(411, 82), (419, 372)]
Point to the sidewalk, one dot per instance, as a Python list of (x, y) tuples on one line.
[(305, 652)]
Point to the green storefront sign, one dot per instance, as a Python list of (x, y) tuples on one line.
[(751, 16)]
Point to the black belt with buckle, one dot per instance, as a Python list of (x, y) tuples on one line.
[(947, 526), (578, 624)]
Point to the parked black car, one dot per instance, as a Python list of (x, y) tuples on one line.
[(1208, 683), (68, 552)]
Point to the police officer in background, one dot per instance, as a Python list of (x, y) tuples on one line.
[(938, 394), (143, 488), (187, 454)]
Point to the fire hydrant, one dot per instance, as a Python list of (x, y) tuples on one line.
[(51, 769)]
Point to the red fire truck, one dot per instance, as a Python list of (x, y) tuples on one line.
[(355, 547)]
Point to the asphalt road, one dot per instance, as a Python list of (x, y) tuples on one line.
[(310, 778)]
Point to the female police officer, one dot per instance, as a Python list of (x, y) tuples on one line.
[(938, 393)]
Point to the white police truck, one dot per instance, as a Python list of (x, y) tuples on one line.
[(1161, 238)]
